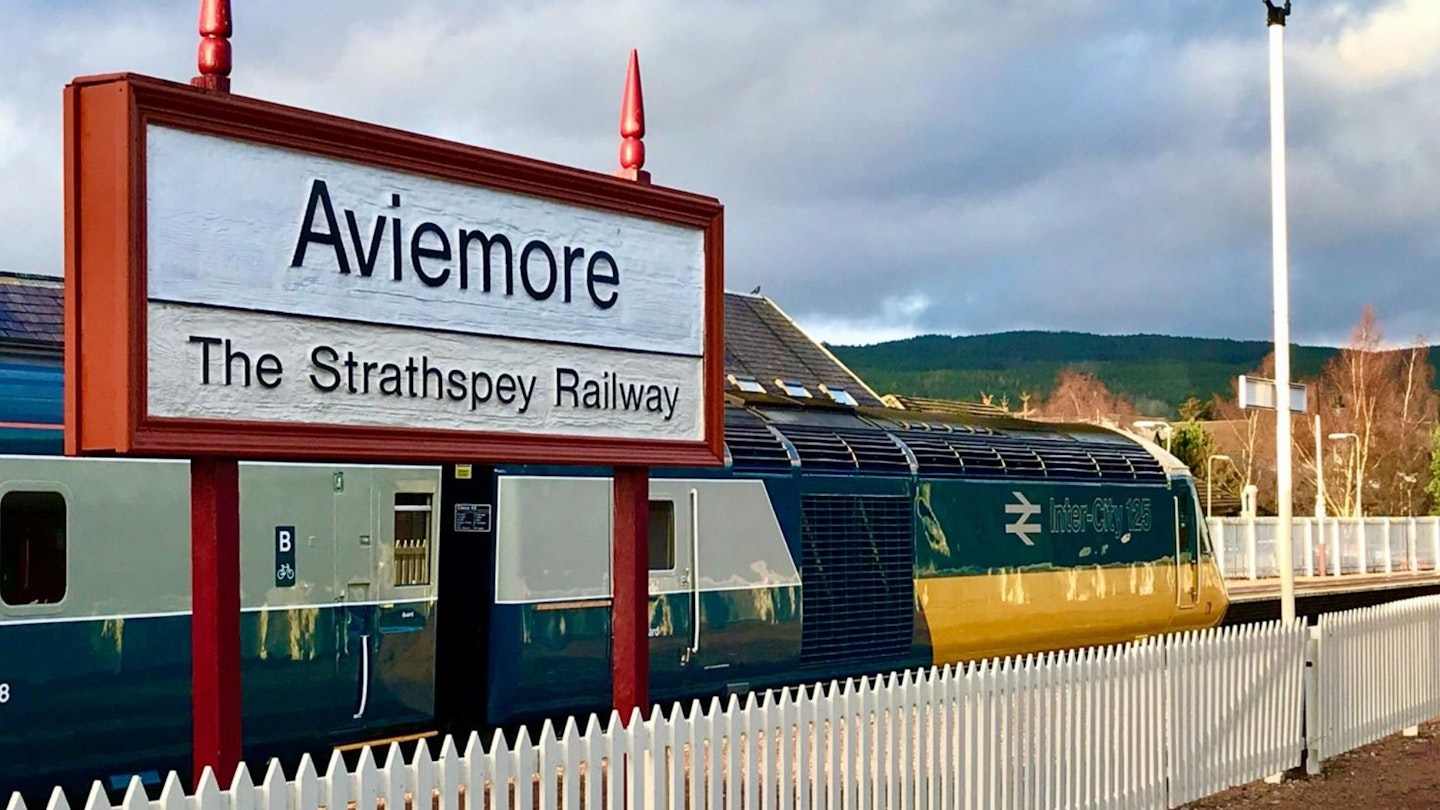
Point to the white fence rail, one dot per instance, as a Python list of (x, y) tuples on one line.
[(1328, 546), (1150, 724), (1236, 706), (1377, 672)]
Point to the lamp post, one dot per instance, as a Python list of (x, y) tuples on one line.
[(1355, 460), (1275, 21), (1209, 474)]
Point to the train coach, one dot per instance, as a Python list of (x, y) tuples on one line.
[(381, 601)]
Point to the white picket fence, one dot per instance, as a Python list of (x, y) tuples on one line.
[(1245, 546), (1377, 672), (1156, 723)]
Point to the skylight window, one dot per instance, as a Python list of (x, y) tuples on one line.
[(746, 383), (840, 395), (794, 388)]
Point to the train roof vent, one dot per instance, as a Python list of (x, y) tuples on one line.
[(753, 446), (1126, 461), (836, 449), (1017, 455), (977, 456), (1071, 463)]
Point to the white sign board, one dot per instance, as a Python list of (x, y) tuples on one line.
[(293, 287), (1258, 392)]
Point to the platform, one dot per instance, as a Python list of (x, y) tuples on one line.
[(1253, 590), (1253, 600)]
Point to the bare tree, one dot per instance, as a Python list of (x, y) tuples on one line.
[(1383, 397), (1250, 440), (1082, 396)]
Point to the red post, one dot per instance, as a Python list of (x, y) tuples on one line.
[(630, 610), (215, 527), (215, 618), (630, 552), (632, 126), (214, 56)]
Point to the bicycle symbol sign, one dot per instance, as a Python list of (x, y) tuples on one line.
[(284, 556)]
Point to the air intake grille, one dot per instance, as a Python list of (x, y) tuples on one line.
[(1015, 455), (753, 448), (832, 449), (858, 561)]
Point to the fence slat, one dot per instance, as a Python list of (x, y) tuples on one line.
[(1375, 673)]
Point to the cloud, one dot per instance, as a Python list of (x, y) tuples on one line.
[(1097, 165), (1393, 43), (897, 319)]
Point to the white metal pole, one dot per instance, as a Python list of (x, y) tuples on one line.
[(1275, 21), (1319, 491), (1319, 468)]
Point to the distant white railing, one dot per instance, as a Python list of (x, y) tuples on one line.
[(1245, 547), (1156, 723), (1377, 672)]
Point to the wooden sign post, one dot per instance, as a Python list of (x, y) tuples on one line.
[(251, 281), (630, 552)]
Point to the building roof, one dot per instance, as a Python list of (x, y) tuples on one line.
[(950, 406), (764, 348), (32, 312)]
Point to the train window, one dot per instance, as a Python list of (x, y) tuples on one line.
[(32, 548), (412, 538), (662, 535)]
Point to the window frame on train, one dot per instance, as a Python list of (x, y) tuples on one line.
[(667, 542), (8, 521), (427, 548)]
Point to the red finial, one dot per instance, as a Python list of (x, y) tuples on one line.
[(214, 56), (632, 126)]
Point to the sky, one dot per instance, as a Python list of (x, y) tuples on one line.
[(889, 168)]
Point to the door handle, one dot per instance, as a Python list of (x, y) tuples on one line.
[(695, 563)]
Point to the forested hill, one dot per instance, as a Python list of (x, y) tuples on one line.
[(1156, 372)]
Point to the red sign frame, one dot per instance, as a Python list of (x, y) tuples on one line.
[(105, 119)]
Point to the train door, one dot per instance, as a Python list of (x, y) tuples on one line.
[(674, 581), (1187, 550), (354, 572), (466, 580)]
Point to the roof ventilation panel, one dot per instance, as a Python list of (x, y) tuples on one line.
[(746, 383), (839, 394), (794, 388)]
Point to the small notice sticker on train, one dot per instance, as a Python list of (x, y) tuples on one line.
[(284, 556), (472, 517)]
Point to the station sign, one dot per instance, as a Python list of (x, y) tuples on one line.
[(253, 280), (1258, 393)]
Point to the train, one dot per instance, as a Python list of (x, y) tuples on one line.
[(390, 601)]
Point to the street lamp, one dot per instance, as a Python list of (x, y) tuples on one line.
[(1275, 17), (1355, 459), (1208, 476), (1157, 424)]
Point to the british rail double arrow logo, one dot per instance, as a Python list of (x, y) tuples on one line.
[(1024, 510)]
